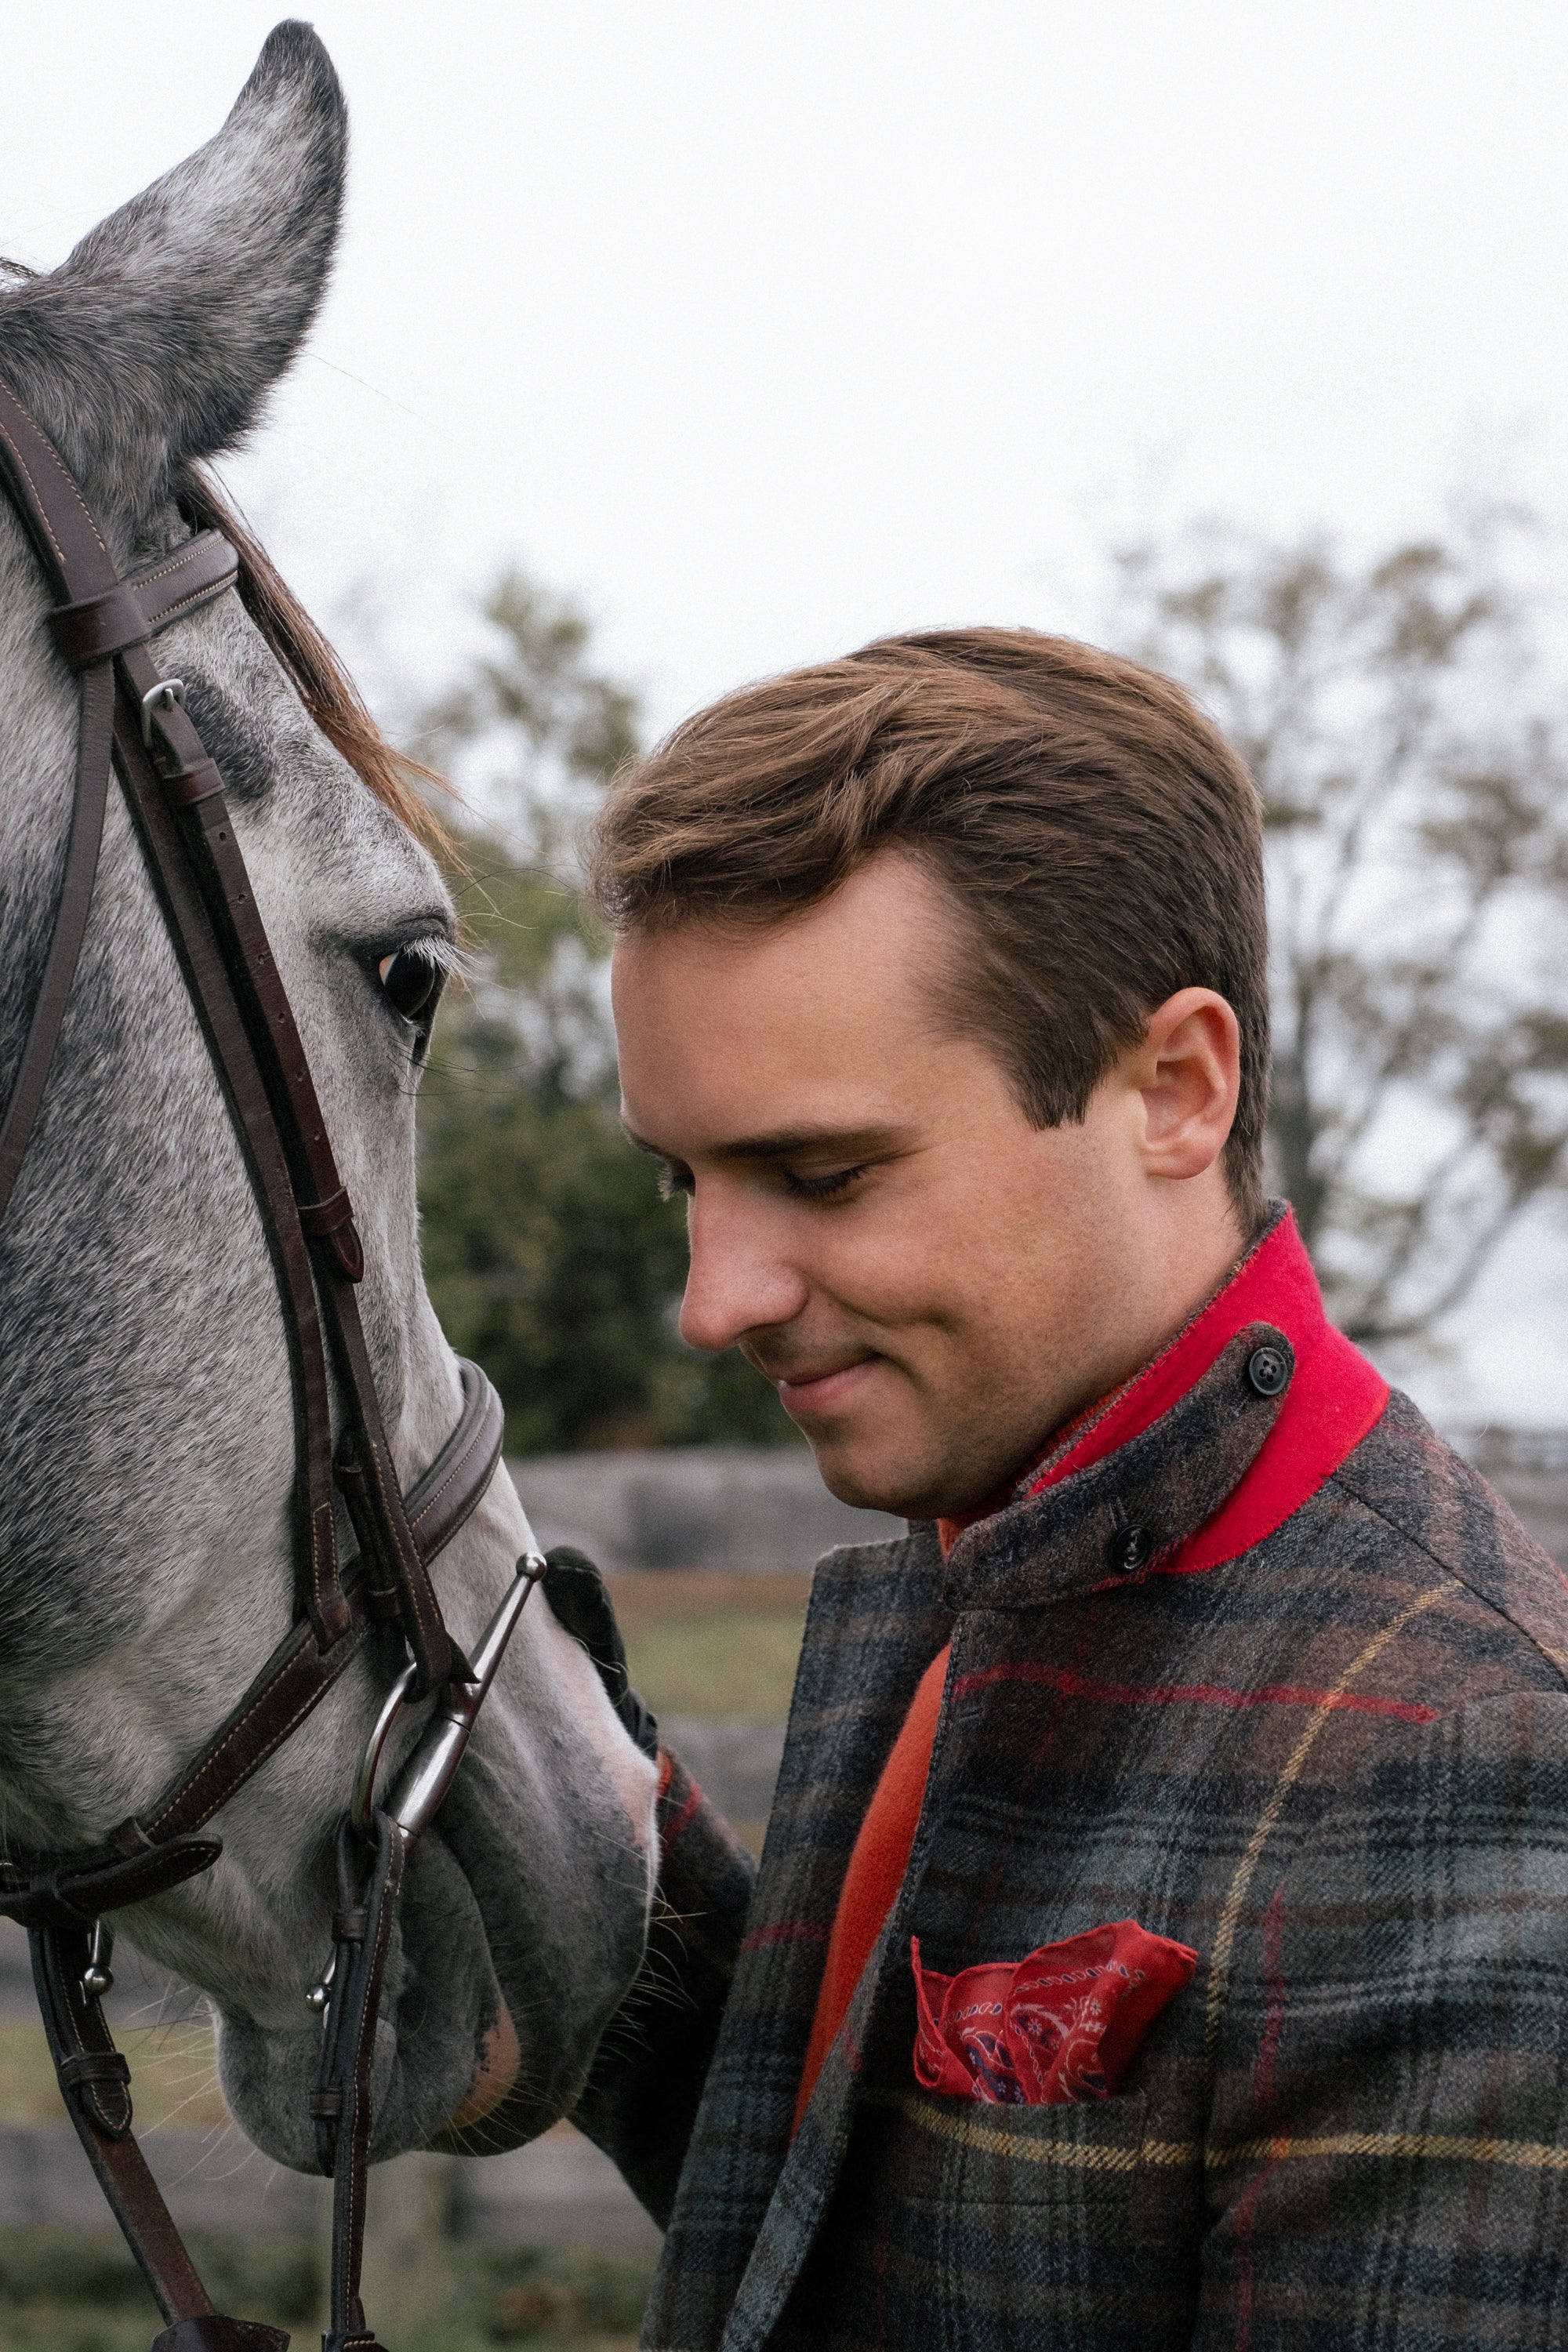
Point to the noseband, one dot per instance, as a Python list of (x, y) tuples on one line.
[(133, 718)]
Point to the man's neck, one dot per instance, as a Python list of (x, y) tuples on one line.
[(1061, 1438)]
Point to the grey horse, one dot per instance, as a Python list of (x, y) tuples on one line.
[(144, 1395)]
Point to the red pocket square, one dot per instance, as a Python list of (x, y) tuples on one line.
[(1052, 2029)]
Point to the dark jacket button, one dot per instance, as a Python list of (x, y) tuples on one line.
[(1269, 1370), (1130, 1548)]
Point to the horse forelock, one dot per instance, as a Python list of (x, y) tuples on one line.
[(402, 785)]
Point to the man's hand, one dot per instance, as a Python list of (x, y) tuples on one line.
[(577, 1592)]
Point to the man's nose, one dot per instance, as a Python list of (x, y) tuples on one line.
[(740, 1277)]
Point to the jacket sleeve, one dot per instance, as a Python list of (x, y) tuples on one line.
[(1386, 2160), (641, 2097)]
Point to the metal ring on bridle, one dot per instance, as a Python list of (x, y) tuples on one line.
[(362, 1801), (430, 1769)]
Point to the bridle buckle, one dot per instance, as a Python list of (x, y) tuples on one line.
[(169, 694), (98, 1976)]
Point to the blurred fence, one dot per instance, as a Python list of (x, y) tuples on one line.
[(730, 1507)]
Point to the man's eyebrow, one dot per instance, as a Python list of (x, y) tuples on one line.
[(854, 1143)]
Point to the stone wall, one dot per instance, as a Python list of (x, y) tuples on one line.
[(1531, 1467), (735, 1506)]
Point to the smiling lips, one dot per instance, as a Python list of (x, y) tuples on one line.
[(820, 1392)]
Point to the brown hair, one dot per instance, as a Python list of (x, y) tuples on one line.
[(1099, 837)]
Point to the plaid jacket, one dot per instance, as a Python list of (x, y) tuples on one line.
[(1337, 1766)]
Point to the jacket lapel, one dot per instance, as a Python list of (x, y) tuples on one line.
[(1124, 1516), (810, 2167), (750, 2203)]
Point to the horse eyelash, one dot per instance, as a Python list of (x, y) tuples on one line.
[(452, 961)]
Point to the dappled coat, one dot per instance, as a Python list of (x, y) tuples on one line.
[(1333, 1764)]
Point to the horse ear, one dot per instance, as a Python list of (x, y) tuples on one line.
[(158, 340)]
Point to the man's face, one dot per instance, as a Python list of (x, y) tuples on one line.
[(932, 1284)]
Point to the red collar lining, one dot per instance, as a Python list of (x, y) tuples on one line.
[(1334, 1398)]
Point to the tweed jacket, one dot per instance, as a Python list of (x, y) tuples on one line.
[(1335, 1765)]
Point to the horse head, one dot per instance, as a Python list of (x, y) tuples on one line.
[(147, 1528)]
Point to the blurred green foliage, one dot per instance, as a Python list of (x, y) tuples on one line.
[(79, 2291), (551, 1256), (65, 2290)]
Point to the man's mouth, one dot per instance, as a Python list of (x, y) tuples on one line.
[(808, 1391)]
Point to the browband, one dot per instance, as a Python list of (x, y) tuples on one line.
[(144, 601)]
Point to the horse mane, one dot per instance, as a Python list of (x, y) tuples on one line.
[(318, 677)]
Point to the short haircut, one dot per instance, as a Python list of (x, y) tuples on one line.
[(1099, 840)]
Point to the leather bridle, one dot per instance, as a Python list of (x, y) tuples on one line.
[(133, 718)]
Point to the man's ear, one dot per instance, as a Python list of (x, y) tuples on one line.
[(1188, 1072), (156, 341)]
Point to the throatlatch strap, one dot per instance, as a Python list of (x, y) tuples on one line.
[(208, 984), (95, 726), (187, 780), (94, 2083)]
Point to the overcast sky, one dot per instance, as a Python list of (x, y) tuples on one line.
[(765, 329)]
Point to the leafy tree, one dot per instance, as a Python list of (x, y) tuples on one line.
[(1413, 790), (550, 1254)]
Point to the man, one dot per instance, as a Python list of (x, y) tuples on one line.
[(1162, 1934)]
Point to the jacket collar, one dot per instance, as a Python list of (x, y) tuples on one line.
[(1212, 1446)]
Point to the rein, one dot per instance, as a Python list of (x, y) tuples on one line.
[(133, 719)]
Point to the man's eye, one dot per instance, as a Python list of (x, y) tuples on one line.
[(411, 981), (823, 1188)]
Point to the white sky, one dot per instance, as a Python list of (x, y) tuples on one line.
[(765, 329)]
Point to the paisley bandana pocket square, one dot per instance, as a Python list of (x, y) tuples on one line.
[(1050, 2029)]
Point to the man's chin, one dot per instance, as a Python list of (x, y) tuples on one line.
[(868, 1481), (880, 1471)]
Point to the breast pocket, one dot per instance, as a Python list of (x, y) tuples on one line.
[(975, 2155), (1022, 2227), (959, 2227)]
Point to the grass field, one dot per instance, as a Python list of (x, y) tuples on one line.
[(709, 1645)]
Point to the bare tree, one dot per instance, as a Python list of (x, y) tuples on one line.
[(531, 733), (1414, 796), (548, 727)]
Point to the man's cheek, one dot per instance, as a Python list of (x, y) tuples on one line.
[(892, 1275)]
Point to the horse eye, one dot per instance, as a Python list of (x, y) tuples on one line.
[(411, 978)]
